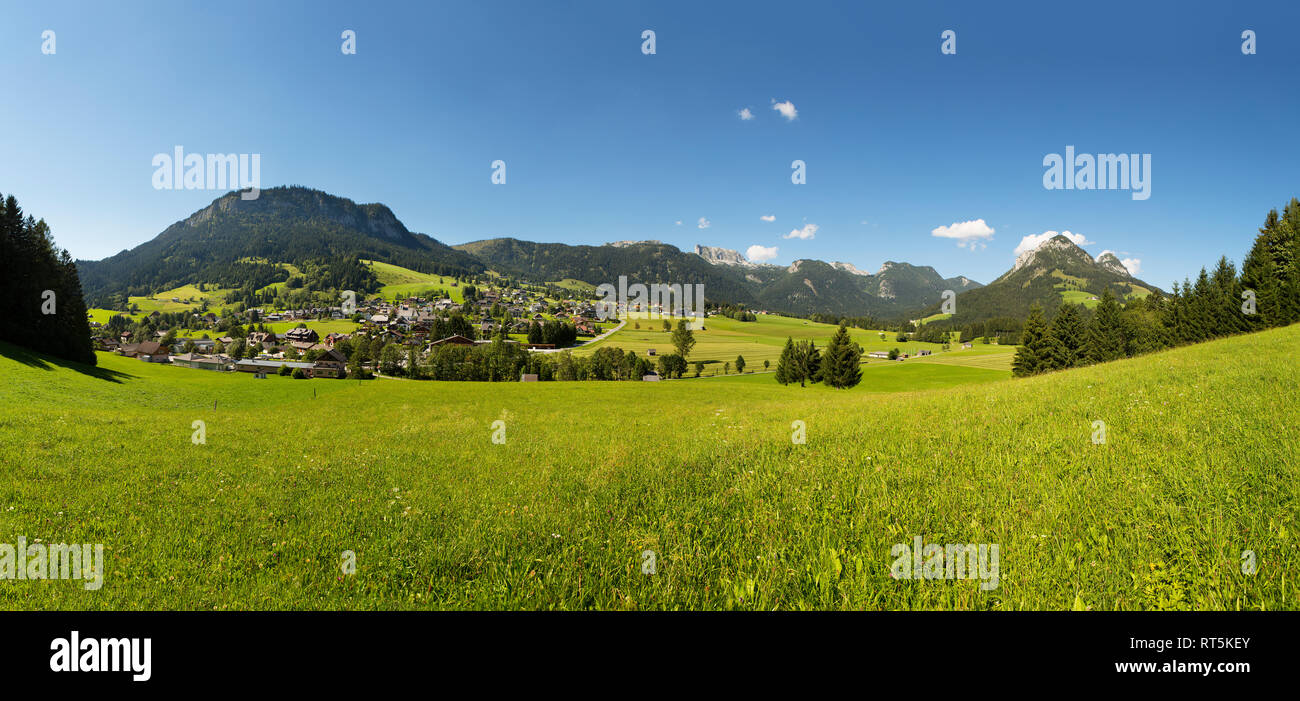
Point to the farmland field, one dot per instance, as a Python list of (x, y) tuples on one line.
[(404, 474), (723, 339)]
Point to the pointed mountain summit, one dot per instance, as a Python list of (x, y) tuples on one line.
[(1108, 261), (1056, 271)]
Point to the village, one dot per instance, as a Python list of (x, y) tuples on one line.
[(321, 341), (242, 341)]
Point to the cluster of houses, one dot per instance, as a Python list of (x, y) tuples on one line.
[(411, 321), (407, 322), (327, 363)]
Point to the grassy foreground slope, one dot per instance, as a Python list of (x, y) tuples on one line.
[(1199, 465)]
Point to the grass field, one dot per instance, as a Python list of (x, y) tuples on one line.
[(397, 281), (575, 285), (103, 315), (162, 302), (279, 327), (723, 339), (405, 475)]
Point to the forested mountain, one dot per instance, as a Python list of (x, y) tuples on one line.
[(1055, 271), (644, 262), (44, 309), (914, 285), (236, 243), (233, 242), (804, 287)]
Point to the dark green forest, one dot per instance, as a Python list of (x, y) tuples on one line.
[(44, 310)]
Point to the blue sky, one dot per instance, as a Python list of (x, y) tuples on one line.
[(604, 143)]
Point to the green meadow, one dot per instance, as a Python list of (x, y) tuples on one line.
[(397, 281), (723, 339), (1198, 466)]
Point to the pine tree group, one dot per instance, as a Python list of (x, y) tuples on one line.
[(799, 362), (44, 309)]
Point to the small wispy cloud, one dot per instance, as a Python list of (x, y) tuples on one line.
[(745, 114), (758, 253), (808, 231), (768, 217), (786, 109), (968, 234), (678, 222), (704, 223)]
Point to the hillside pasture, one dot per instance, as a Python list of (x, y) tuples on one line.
[(405, 475)]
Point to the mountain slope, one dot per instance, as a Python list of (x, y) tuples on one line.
[(643, 262), (285, 224), (1056, 271), (805, 287)]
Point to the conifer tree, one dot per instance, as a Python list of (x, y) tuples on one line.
[(1105, 338), (39, 282), (786, 372), (1027, 361), (1067, 330), (809, 363), (840, 366)]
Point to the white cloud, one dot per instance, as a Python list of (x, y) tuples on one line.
[(786, 109), (968, 234), (679, 222), (746, 115), (808, 231), (1032, 241), (758, 253), (768, 217), (1133, 265), (704, 223)]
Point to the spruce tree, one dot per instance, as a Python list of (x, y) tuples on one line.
[(1259, 275), (1067, 329), (1027, 361), (809, 363), (31, 267), (840, 366), (1105, 338), (786, 372)]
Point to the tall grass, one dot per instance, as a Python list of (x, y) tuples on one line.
[(1199, 465)]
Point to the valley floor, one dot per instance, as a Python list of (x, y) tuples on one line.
[(1194, 480)]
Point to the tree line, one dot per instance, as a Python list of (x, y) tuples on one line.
[(44, 309), (1225, 302)]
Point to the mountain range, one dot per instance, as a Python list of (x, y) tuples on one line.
[(234, 242)]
